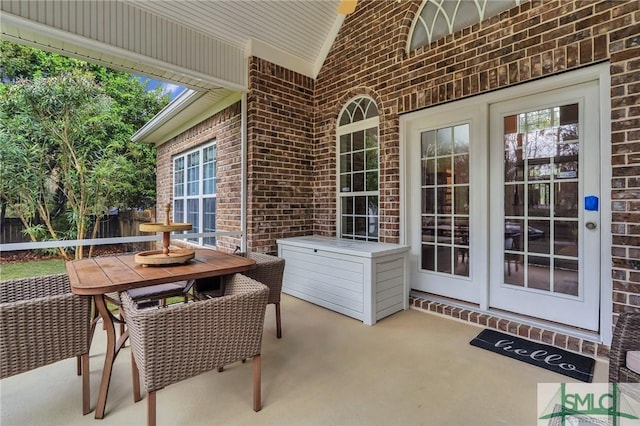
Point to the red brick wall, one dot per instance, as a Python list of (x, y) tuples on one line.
[(224, 127), (623, 34), (292, 118), (280, 146), (532, 41)]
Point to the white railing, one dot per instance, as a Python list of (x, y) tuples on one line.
[(115, 240)]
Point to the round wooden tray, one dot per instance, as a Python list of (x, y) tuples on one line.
[(162, 227), (157, 257)]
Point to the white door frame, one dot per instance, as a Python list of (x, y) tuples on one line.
[(581, 310), (457, 287), (597, 72)]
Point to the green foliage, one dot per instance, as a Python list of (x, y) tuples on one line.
[(65, 129)]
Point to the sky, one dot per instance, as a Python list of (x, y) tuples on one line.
[(173, 89)]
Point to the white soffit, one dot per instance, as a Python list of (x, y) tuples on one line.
[(122, 36), (200, 44), (187, 110), (291, 33)]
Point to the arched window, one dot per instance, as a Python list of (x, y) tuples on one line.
[(358, 165), (438, 18)]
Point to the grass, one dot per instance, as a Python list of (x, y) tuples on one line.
[(10, 271)]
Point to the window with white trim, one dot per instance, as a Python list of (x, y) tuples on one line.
[(358, 165), (194, 191), (438, 18)]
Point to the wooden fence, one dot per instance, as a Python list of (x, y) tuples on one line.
[(124, 224)]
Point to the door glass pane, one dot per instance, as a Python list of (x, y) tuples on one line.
[(444, 258), (461, 199), (538, 237), (461, 243), (444, 141), (513, 159), (428, 200), (461, 139), (514, 200), (538, 273), (566, 238), (445, 200), (461, 169), (566, 199), (429, 172), (541, 199), (428, 229), (428, 144), (566, 277)]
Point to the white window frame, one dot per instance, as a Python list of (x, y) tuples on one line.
[(345, 129), (201, 197)]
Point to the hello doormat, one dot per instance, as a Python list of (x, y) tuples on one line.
[(548, 357)]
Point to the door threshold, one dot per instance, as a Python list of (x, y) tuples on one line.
[(570, 331)]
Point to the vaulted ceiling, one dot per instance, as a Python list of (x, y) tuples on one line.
[(200, 44), (203, 44)]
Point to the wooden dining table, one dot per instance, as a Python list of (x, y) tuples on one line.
[(98, 276)]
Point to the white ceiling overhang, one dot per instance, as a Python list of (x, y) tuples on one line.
[(199, 44)]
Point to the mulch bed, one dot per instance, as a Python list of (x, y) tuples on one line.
[(7, 257)]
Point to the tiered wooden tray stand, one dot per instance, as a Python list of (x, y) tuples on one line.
[(165, 256)]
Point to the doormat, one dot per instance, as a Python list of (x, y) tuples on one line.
[(544, 356)]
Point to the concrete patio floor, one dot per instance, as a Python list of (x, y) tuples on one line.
[(412, 368)]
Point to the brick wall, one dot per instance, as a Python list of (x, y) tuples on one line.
[(532, 41), (624, 51), (224, 127), (292, 120), (280, 146)]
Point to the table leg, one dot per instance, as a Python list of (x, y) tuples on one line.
[(110, 354)]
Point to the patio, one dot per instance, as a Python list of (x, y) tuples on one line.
[(410, 368)]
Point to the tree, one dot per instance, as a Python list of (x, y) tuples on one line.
[(65, 132)]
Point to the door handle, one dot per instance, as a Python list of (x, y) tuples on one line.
[(591, 225)]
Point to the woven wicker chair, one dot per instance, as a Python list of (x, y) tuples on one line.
[(626, 337), (156, 295), (205, 334), (42, 322), (269, 270)]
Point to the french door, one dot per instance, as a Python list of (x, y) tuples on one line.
[(448, 213), (545, 182), (502, 203)]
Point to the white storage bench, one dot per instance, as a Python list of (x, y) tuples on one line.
[(364, 280)]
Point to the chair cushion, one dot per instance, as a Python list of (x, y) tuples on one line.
[(633, 361), (157, 291)]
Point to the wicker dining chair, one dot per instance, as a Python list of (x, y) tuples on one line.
[(205, 335), (151, 296), (42, 322), (626, 338), (269, 271)]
